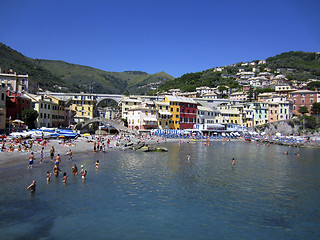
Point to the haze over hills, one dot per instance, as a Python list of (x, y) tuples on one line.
[(62, 76)]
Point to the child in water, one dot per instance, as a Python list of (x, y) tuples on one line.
[(48, 176), (97, 164), (65, 178)]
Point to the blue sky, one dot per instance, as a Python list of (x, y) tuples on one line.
[(177, 36)]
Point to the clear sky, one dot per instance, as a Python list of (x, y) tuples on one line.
[(175, 36)]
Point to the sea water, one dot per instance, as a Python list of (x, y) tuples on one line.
[(134, 195)]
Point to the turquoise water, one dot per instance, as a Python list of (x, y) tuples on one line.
[(266, 195)]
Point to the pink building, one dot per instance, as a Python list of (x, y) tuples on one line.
[(302, 98), (142, 118)]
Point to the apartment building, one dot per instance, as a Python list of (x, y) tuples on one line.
[(164, 114), (301, 98), (84, 104), (142, 118), (18, 82)]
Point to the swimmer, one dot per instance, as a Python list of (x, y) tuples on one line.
[(65, 178), (48, 176), (31, 160), (286, 153), (75, 170), (297, 154), (32, 186), (233, 162), (97, 164)]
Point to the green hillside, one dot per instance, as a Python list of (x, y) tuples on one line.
[(299, 66), (11, 59), (99, 81), (52, 75)]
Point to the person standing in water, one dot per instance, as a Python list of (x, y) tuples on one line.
[(83, 173), (233, 162), (31, 160), (41, 154), (70, 154), (48, 176), (32, 186), (75, 169), (56, 170), (97, 164), (188, 157), (65, 178), (52, 153)]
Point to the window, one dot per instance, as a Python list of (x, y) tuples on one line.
[(48, 106), (311, 100), (41, 106), (177, 116), (302, 101), (171, 109)]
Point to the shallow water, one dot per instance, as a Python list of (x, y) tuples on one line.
[(266, 195)]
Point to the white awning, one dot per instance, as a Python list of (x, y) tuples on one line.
[(165, 113)]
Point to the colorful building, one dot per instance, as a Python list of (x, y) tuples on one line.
[(301, 98), (183, 110)]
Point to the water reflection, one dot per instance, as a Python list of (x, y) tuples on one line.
[(266, 194)]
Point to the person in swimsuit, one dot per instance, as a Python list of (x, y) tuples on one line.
[(233, 162), (31, 160), (65, 178), (41, 154), (70, 154), (74, 169), (52, 153), (48, 176), (83, 173), (32, 186), (58, 159), (97, 164), (56, 170)]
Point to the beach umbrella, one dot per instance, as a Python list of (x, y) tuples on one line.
[(61, 136), (86, 135), (18, 121)]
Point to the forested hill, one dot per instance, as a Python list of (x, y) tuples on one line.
[(299, 66), (62, 76)]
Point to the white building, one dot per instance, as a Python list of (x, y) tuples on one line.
[(205, 115)]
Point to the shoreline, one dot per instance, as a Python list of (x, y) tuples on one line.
[(11, 160)]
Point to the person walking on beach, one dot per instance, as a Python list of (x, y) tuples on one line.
[(56, 170), (52, 153), (32, 186), (48, 176), (41, 154), (31, 160), (74, 169), (65, 178)]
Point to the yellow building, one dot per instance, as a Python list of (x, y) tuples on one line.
[(164, 114), (58, 112), (174, 109), (84, 104)]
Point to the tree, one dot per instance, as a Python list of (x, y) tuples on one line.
[(315, 109), (30, 116), (126, 93), (250, 95), (303, 110)]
